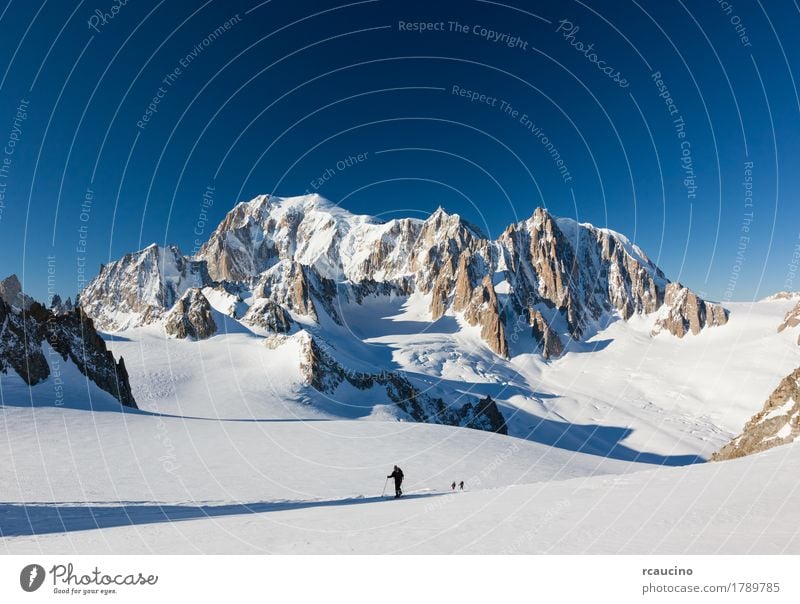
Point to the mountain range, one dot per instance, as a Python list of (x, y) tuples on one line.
[(307, 256), (424, 320), (286, 268)]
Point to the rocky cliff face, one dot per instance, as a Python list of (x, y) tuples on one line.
[(325, 374), (778, 423), (581, 271), (269, 315), (140, 287), (683, 312), (11, 293), (791, 320), (21, 337), (550, 344), (191, 317), (307, 255), (71, 334)]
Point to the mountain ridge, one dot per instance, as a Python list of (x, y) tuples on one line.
[(278, 266), (33, 338), (537, 255)]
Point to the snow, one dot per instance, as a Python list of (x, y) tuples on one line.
[(224, 302), (66, 387), (159, 484), (231, 375), (679, 396), (232, 453), (621, 393)]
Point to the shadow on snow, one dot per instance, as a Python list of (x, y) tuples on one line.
[(21, 519)]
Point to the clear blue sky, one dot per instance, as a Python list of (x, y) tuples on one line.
[(274, 97)]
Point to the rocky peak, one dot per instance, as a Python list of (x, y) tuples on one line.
[(791, 320), (550, 344), (140, 287), (11, 293), (298, 288), (268, 315), (582, 271), (304, 252), (684, 312), (24, 333), (191, 317), (440, 224), (778, 423)]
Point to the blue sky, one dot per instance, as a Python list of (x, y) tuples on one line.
[(490, 111)]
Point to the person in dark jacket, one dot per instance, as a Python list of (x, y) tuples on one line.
[(397, 474)]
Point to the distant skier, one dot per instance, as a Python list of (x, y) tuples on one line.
[(461, 485), (397, 474), (453, 486)]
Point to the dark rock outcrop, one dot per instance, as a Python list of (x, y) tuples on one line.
[(549, 343), (21, 337), (71, 334), (268, 315), (11, 293), (323, 373), (191, 317)]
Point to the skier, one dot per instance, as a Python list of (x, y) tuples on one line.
[(461, 485), (453, 486), (397, 474)]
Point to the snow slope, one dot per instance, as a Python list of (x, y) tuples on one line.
[(622, 393), (229, 455), (678, 396), (65, 387), (128, 464), (443, 314), (174, 485)]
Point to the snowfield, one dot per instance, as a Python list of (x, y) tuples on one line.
[(624, 393), (173, 485), (230, 453)]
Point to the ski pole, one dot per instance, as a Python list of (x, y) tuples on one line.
[(383, 492)]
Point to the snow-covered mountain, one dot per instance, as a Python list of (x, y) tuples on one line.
[(307, 275), (554, 274), (578, 365), (139, 288)]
